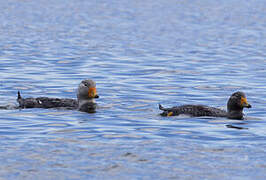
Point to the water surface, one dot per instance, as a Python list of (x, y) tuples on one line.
[(140, 54)]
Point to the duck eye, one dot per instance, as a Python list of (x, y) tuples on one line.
[(238, 97), (85, 84)]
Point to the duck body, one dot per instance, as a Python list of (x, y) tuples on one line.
[(84, 102), (235, 105), (193, 110), (46, 102)]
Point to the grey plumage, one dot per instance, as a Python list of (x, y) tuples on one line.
[(235, 106), (85, 99), (46, 102), (193, 110)]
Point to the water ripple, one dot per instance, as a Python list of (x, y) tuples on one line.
[(140, 54)]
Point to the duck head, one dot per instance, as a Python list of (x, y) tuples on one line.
[(235, 105), (86, 94), (87, 90)]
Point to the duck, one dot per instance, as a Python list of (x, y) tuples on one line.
[(86, 94), (235, 105)]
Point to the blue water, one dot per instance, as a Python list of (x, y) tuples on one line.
[(140, 53)]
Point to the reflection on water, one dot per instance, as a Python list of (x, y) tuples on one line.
[(140, 54)]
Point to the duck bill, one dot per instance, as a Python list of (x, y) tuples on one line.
[(244, 103), (92, 93)]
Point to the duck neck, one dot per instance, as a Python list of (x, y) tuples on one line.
[(85, 101), (235, 113), (234, 110), (87, 105)]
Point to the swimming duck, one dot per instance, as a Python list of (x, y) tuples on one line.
[(235, 106), (85, 99)]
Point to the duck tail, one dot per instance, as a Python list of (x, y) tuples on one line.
[(19, 96), (20, 100), (166, 111), (161, 107)]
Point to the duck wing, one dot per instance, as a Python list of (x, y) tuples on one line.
[(46, 102), (193, 110)]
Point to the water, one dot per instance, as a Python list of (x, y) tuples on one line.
[(140, 54)]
